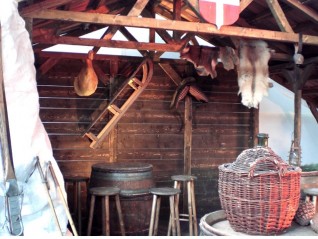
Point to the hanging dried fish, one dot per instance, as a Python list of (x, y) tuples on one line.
[(197, 93), (181, 92), (85, 83), (185, 87)]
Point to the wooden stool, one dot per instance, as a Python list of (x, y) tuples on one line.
[(192, 213), (312, 194), (105, 192), (77, 207), (174, 211)]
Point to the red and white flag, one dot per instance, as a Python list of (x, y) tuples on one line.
[(220, 12)]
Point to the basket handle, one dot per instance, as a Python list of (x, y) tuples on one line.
[(282, 167)]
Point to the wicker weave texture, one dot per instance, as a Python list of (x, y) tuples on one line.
[(262, 198)]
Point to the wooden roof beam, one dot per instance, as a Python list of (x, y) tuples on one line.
[(306, 10), (44, 5), (151, 46), (173, 75), (279, 16), (244, 4), (172, 25)]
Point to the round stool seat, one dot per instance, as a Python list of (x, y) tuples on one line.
[(183, 178), (311, 191), (104, 191), (73, 179), (164, 191)]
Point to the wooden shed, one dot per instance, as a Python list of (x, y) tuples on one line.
[(196, 136)]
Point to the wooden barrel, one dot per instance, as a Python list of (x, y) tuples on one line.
[(134, 180)]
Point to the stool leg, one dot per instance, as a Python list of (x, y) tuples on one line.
[(190, 209), (91, 213), (176, 185), (155, 233), (120, 216), (172, 216), (152, 218), (79, 209), (176, 213), (106, 198), (195, 224)]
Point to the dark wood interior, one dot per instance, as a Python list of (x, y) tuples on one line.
[(150, 132)]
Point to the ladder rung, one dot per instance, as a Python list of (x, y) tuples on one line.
[(135, 83), (114, 109), (138, 82), (91, 136)]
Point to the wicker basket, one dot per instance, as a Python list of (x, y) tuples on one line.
[(259, 192)]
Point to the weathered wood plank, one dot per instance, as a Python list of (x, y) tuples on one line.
[(171, 25)]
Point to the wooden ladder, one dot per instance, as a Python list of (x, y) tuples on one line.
[(118, 112)]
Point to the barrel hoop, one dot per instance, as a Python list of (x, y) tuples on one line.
[(122, 176)]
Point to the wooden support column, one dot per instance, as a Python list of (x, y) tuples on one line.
[(187, 135), (297, 122), (255, 129), (298, 77), (187, 145)]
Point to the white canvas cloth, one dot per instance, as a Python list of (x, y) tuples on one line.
[(28, 136)]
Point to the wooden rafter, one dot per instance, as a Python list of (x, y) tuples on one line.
[(279, 16), (306, 10), (244, 4), (44, 5), (172, 25), (173, 75), (151, 46)]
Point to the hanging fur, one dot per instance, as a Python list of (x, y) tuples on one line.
[(228, 58), (85, 83), (204, 59), (252, 70)]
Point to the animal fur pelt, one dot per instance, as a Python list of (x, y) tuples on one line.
[(86, 82), (228, 57), (204, 59), (185, 87), (252, 71)]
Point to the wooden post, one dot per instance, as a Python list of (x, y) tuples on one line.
[(297, 124), (255, 129), (298, 77), (187, 145), (187, 135)]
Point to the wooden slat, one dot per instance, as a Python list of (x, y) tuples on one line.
[(172, 25)]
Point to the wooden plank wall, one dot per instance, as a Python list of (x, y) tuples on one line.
[(150, 132)]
